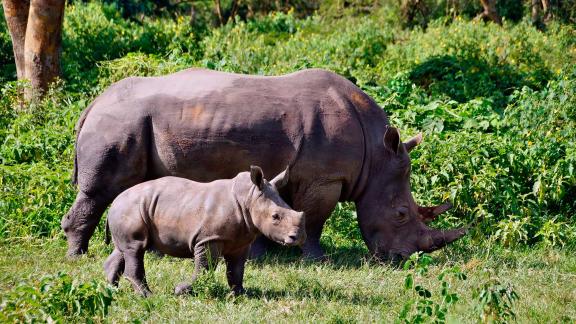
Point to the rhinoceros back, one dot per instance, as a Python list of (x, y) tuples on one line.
[(206, 125)]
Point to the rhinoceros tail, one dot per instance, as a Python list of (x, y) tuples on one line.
[(77, 129), (75, 172), (107, 233)]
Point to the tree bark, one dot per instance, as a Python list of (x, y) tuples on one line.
[(535, 12), (219, 12), (224, 18), (490, 11), (16, 13), (43, 44), (547, 11)]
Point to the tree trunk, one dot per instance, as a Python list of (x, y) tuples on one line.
[(490, 11), (547, 11), (43, 44), (16, 13), (223, 17), (535, 12), (218, 6)]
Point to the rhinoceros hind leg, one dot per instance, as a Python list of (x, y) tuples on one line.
[(317, 202), (134, 270), (114, 267), (81, 221)]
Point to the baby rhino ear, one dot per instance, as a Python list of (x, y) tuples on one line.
[(257, 176)]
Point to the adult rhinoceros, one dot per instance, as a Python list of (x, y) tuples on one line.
[(205, 125)]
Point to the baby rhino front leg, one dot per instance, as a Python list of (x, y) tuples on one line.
[(235, 270), (205, 258)]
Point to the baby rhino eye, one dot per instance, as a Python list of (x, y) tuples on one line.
[(276, 217)]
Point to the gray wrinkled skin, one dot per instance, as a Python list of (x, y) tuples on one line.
[(204, 221), (205, 125)]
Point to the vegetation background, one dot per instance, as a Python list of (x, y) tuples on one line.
[(496, 103)]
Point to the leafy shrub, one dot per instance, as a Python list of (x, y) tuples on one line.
[(466, 59), (425, 308), (95, 32), (40, 131), (342, 229), (138, 64), (341, 46), (33, 199), (518, 163), (495, 302), (7, 65), (512, 231), (554, 233), (56, 298)]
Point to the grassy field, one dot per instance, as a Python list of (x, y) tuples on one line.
[(349, 288)]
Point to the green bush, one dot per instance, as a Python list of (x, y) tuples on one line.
[(96, 32), (7, 65), (56, 299), (34, 197), (424, 306), (495, 302)]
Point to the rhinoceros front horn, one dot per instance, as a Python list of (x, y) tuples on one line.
[(440, 238)]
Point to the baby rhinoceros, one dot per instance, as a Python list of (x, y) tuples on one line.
[(186, 219)]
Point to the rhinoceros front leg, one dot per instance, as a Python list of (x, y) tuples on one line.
[(317, 202), (235, 270), (114, 267), (81, 221), (205, 258)]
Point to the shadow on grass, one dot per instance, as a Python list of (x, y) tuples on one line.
[(347, 257), (297, 287), (306, 288)]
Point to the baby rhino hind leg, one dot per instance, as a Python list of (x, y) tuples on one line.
[(114, 267), (134, 270), (130, 236)]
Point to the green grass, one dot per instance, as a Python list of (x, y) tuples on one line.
[(284, 288)]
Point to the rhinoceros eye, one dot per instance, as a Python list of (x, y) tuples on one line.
[(402, 213), (276, 217)]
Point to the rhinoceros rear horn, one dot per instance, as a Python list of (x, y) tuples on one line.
[(428, 214), (392, 140), (281, 179), (413, 142), (257, 176)]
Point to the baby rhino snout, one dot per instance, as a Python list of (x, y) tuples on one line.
[(298, 234)]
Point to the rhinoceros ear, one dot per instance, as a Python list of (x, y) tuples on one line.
[(281, 179), (413, 142), (392, 140), (257, 176)]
